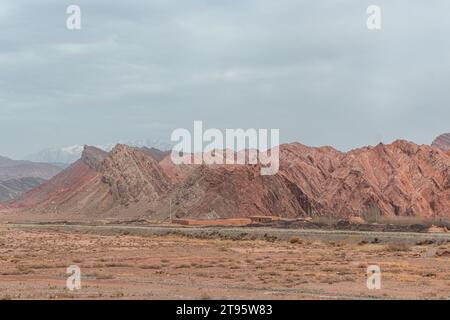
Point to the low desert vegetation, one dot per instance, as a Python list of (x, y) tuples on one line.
[(375, 215), (328, 220), (398, 247), (295, 240), (372, 215), (165, 267)]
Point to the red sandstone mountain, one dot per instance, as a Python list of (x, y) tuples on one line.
[(442, 142), (132, 176), (401, 178), (234, 191), (77, 189), (100, 183)]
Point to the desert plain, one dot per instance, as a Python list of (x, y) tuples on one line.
[(119, 264)]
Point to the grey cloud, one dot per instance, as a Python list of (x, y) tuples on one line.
[(141, 69)]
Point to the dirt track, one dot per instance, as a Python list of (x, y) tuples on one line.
[(247, 233)]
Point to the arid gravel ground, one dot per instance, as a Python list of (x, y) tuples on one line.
[(33, 265)]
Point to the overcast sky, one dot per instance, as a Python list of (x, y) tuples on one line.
[(140, 69)]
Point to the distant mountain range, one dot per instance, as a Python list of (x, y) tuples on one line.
[(71, 154), (13, 188), (397, 179), (19, 176), (16, 169), (442, 142)]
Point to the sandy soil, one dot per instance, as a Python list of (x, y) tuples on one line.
[(33, 265)]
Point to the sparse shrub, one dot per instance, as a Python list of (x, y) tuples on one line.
[(398, 247), (99, 276), (328, 220), (372, 215), (205, 296), (150, 267), (24, 270), (118, 265), (295, 240), (118, 294)]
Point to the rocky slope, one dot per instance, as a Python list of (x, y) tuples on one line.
[(100, 183), (442, 142), (234, 191), (132, 176), (401, 178), (76, 190), (398, 179)]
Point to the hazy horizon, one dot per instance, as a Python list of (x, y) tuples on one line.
[(140, 70)]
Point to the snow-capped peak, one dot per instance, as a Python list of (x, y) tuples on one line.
[(70, 154)]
